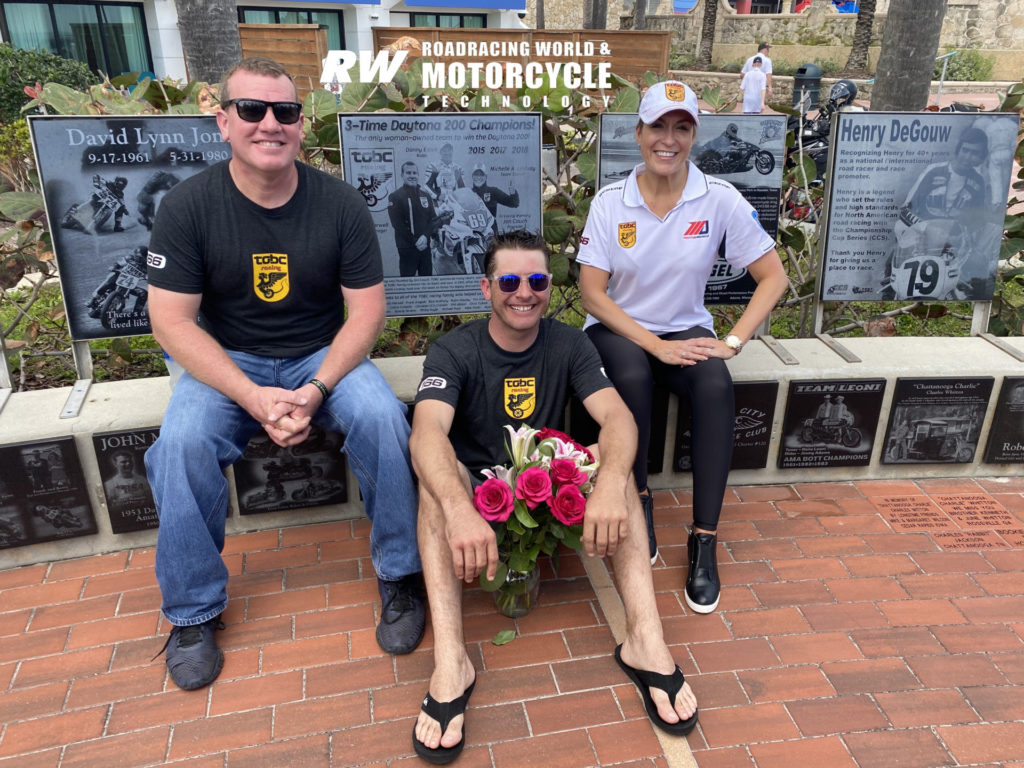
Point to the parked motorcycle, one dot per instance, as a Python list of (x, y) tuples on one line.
[(461, 242), (739, 157), (817, 430)]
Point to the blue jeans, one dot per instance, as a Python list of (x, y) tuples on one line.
[(203, 432)]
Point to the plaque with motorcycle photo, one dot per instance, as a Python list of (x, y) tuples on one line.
[(103, 178), (745, 150), (916, 203), (937, 420), (438, 185), (830, 423), (120, 456)]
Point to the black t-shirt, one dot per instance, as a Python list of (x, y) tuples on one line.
[(490, 387), (270, 277)]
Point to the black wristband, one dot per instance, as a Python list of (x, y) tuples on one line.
[(321, 386)]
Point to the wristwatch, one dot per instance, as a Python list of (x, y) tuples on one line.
[(732, 341)]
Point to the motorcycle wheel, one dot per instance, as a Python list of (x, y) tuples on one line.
[(113, 303), (964, 454), (764, 161), (807, 435), (851, 437)]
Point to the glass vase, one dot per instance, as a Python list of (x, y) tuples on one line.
[(518, 595)]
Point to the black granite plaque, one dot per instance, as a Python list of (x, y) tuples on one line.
[(755, 409), (125, 487), (830, 423), (42, 493), (1006, 438), (269, 478), (936, 421)]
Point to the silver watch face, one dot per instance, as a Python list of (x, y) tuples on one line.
[(733, 342)]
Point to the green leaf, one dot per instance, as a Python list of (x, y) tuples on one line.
[(521, 561), (504, 637), (320, 105), (573, 537), (20, 205), (587, 164), (560, 268), (557, 226), (499, 579), (523, 515)]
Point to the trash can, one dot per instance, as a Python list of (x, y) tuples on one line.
[(806, 84)]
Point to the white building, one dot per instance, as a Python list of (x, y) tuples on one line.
[(119, 37)]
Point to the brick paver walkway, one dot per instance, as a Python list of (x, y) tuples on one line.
[(865, 624)]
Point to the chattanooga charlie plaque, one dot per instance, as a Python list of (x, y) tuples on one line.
[(830, 423), (936, 420)]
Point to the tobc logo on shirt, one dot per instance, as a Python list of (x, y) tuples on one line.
[(697, 229), (433, 382), (627, 234), (156, 260), (424, 201), (270, 275), (520, 396)]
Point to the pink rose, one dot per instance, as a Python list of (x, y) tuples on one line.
[(534, 487), (563, 471), (493, 500), (569, 505)]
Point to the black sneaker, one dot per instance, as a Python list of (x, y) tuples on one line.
[(193, 658), (647, 502), (402, 617), (702, 585)]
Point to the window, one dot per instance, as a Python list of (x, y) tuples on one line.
[(448, 20), (107, 37), (330, 19)]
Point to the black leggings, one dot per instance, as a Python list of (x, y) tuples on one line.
[(709, 387)]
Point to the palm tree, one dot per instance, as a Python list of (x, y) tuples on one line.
[(707, 34), (857, 63), (209, 37), (904, 75)]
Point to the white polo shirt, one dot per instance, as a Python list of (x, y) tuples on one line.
[(658, 268)]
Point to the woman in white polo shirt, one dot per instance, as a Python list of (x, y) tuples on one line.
[(647, 252)]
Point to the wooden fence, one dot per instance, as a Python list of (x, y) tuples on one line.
[(300, 48)]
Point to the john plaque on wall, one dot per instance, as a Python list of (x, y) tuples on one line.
[(125, 486)]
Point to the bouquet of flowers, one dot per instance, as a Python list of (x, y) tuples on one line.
[(537, 503)]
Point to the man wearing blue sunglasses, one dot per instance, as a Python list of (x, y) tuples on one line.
[(268, 253), (461, 409)]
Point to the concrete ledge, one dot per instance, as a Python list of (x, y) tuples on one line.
[(31, 416)]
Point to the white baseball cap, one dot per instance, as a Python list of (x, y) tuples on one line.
[(668, 96)]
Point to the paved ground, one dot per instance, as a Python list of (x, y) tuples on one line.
[(867, 624)]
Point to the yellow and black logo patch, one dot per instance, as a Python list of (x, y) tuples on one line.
[(627, 234), (675, 91), (520, 397), (270, 275)]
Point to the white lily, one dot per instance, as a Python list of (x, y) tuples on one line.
[(520, 444)]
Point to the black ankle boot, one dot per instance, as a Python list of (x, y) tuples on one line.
[(702, 585)]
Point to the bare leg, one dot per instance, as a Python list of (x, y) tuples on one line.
[(453, 670), (644, 646)]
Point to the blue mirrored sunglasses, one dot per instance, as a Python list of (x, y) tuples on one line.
[(538, 282)]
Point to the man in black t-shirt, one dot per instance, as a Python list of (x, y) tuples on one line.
[(267, 253), (462, 405)]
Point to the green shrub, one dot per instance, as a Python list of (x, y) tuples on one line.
[(678, 59), (970, 64), (19, 68)]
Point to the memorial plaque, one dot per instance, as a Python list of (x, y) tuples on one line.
[(913, 513), (975, 510), (1013, 536), (936, 421), (270, 478), (968, 540), (1006, 438), (755, 410), (42, 493), (830, 423), (103, 177), (125, 486)]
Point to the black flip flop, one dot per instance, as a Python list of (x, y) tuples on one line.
[(670, 684), (444, 712)]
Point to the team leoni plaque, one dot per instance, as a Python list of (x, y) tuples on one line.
[(830, 423), (936, 420), (270, 478), (125, 486), (42, 493)]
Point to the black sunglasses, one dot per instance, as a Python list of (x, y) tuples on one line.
[(538, 282), (253, 110)]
